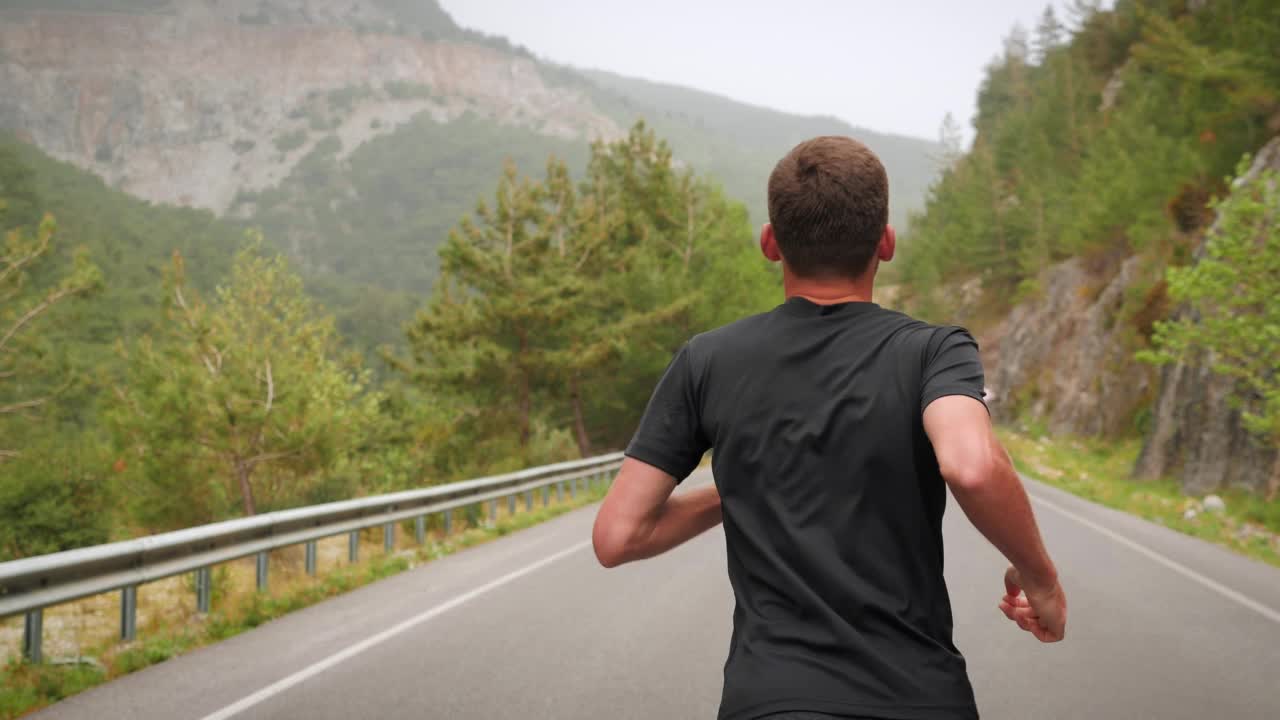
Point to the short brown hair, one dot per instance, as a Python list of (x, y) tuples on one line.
[(829, 205)]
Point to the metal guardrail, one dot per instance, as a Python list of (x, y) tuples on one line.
[(30, 585)]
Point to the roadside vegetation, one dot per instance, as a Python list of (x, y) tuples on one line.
[(1100, 471)]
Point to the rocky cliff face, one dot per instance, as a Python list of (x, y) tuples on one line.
[(1064, 357), (1196, 434), (205, 99)]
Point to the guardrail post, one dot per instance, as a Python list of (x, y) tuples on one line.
[(309, 560), (353, 546), (546, 495), (560, 491), (493, 511), (511, 505), (420, 529), (261, 574), (33, 636), (204, 590), (528, 500), (448, 522), (129, 613), (389, 537), (573, 489)]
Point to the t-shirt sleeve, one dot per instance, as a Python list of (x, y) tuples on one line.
[(951, 367), (670, 435)]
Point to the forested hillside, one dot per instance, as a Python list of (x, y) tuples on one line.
[(163, 368), (365, 228), (740, 143), (131, 241), (1102, 141)]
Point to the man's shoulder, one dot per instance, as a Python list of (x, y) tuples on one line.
[(747, 327), (750, 331), (918, 330)]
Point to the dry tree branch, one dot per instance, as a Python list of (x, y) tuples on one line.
[(36, 311), (17, 265), (191, 322), (24, 405)]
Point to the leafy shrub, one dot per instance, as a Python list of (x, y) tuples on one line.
[(54, 496)]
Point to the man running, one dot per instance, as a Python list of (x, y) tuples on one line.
[(835, 425)]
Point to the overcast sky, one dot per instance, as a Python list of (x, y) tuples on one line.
[(889, 65)]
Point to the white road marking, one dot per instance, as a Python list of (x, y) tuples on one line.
[(1267, 612), (311, 671)]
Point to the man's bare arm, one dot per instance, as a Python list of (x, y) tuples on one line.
[(641, 518), (982, 479)]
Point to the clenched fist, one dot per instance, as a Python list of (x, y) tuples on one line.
[(1040, 610)]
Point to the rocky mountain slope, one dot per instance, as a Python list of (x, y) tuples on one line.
[(355, 132), (193, 105), (1066, 358)]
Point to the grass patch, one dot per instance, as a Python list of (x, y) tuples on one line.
[(1098, 470), (25, 688)]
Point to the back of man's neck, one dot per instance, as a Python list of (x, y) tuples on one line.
[(828, 292)]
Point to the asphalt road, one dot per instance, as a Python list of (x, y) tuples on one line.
[(1162, 626)]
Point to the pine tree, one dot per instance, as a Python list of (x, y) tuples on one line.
[(560, 304), (486, 333), (1049, 35), (31, 372), (951, 139), (245, 400)]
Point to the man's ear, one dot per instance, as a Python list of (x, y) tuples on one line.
[(888, 244), (769, 244)]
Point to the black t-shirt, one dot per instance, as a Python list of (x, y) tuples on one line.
[(832, 503)]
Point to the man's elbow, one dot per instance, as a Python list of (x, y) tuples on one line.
[(607, 553), (610, 545), (972, 474)]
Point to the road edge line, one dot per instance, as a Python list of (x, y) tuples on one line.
[(1265, 611), (316, 668)]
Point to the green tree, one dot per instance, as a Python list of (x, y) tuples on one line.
[(30, 375), (52, 489), (242, 400), (1048, 35), (559, 304), (488, 325)]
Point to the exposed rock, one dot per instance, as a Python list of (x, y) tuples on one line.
[(1196, 433), (1213, 503), (1115, 84), (1064, 357), (192, 105)]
